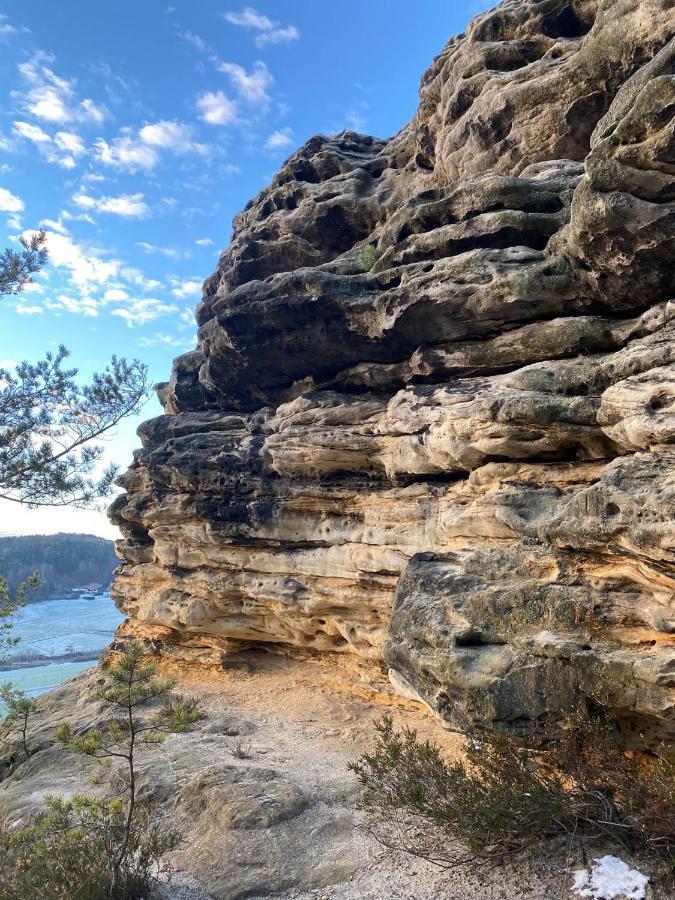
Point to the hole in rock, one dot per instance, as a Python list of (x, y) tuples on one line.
[(660, 401), (376, 168), (391, 283), (423, 163), (403, 234), (567, 24), (612, 510), (305, 171), (473, 639)]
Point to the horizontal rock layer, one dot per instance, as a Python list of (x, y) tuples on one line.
[(431, 415)]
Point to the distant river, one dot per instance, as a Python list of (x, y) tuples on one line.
[(59, 638)]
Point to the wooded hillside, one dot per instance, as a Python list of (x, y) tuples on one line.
[(64, 561)]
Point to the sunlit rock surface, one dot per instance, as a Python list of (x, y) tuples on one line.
[(430, 418)]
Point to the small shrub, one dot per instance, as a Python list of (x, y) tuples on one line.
[(130, 688), (14, 727), (239, 751), (68, 853), (179, 715), (503, 797), (367, 257)]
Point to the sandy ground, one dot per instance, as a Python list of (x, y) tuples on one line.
[(263, 794), (310, 719)]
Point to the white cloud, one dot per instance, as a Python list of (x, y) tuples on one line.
[(9, 202), (62, 149), (126, 153), (138, 279), (278, 36), (5, 27), (194, 39), (190, 288), (269, 32), (204, 242), (169, 252), (127, 205), (87, 283), (84, 265), (140, 312), (115, 295), (31, 132), (33, 287), (163, 339), (251, 87), (173, 136), (216, 109), (68, 140), (54, 225), (186, 320), (279, 140), (132, 152), (53, 99), (29, 310), (90, 112), (86, 305), (249, 18)]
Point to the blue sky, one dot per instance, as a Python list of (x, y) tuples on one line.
[(134, 131)]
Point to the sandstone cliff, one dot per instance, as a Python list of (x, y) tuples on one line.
[(430, 417)]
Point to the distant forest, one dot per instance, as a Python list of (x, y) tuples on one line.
[(63, 561)]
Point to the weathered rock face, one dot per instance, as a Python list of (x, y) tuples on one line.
[(431, 415)]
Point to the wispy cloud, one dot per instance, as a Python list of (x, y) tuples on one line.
[(204, 242), (53, 99), (171, 135), (165, 340), (169, 252), (133, 151), (54, 225), (115, 295), (251, 87), (140, 312), (279, 140), (84, 305), (267, 30), (127, 205), (9, 202), (84, 265), (193, 39), (6, 28), (63, 148), (126, 153), (216, 109), (191, 287)]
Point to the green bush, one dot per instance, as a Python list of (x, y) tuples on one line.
[(504, 797), (68, 853)]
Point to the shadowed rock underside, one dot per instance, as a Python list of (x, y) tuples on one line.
[(430, 418)]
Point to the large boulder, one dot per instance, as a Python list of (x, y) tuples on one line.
[(430, 416)]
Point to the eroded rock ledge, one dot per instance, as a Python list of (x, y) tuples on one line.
[(430, 418)]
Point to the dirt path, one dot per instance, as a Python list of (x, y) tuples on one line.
[(307, 720), (261, 790)]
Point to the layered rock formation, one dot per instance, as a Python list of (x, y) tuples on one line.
[(431, 416)]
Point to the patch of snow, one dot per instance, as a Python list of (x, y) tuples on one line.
[(610, 878)]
